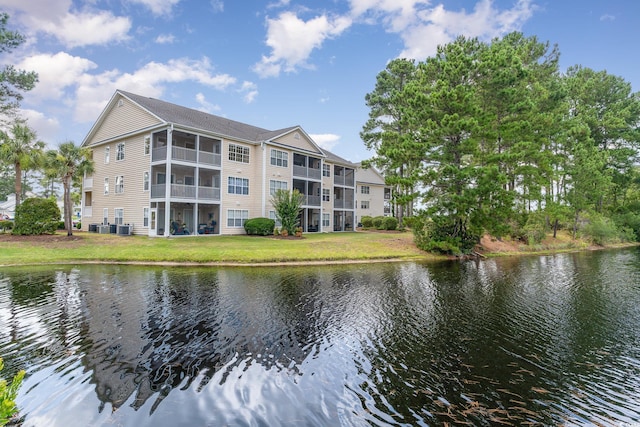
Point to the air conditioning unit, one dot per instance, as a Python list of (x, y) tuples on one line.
[(103, 229), (124, 230)]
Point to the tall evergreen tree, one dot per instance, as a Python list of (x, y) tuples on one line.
[(389, 133), (13, 82)]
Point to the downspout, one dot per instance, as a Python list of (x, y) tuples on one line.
[(167, 184), (264, 179)]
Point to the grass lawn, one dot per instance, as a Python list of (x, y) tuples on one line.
[(312, 247)]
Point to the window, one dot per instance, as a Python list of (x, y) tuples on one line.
[(364, 189), (276, 185), (106, 186), (147, 145), (326, 195), (118, 214), (364, 204), (272, 215), (105, 216), (326, 170), (188, 180), (120, 151), (119, 189), (279, 158), (145, 217), (238, 185), (238, 153), (107, 154), (325, 220), (237, 217), (145, 181)]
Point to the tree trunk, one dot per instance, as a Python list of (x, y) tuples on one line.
[(68, 214), (555, 228), (18, 183)]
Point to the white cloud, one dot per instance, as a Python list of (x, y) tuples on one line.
[(292, 40), (205, 105), (83, 29), (165, 39), (217, 5), (93, 90), (250, 91), (46, 128), (423, 27), (326, 140), (607, 17), (158, 7), (56, 72)]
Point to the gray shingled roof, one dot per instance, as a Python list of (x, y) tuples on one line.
[(172, 113), (176, 114)]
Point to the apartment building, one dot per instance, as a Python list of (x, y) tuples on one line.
[(163, 169), (373, 197)]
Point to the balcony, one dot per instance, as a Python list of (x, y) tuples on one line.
[(187, 155), (158, 191), (87, 183), (305, 172), (343, 204), (87, 212), (312, 200), (343, 180)]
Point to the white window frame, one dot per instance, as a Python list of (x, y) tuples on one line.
[(364, 189), (120, 151), (119, 185), (326, 195), (243, 185), (326, 220), (105, 216), (237, 217), (107, 154), (147, 145), (364, 204), (279, 158), (118, 216), (326, 170), (239, 153), (145, 216), (106, 186), (146, 181), (277, 185), (272, 215)]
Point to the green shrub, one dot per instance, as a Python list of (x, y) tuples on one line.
[(37, 216), (259, 226), (61, 225), (444, 235), (79, 226), (367, 221), (389, 223), (6, 225), (601, 231), (376, 222), (628, 221), (409, 221), (535, 230), (8, 394)]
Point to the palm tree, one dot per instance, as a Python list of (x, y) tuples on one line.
[(20, 149), (70, 161)]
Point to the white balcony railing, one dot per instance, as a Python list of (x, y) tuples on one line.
[(88, 183), (87, 212)]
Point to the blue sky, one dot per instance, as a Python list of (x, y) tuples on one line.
[(278, 63)]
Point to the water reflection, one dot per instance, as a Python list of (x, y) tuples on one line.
[(535, 340)]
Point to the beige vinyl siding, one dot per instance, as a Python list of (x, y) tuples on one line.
[(277, 173), (252, 171), (375, 199), (133, 199), (301, 142), (123, 118)]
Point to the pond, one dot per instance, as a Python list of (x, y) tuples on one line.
[(536, 340)]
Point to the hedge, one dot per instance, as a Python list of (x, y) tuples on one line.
[(36, 216), (259, 226)]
